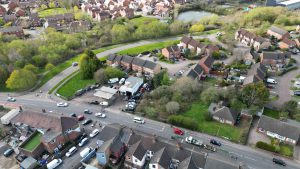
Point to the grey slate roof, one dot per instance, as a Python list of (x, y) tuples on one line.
[(127, 59), (223, 112), (29, 162), (140, 151), (162, 158), (278, 30), (275, 55), (251, 79), (111, 57), (279, 127), (118, 58), (188, 163), (109, 132), (138, 62), (186, 39), (150, 65), (192, 74), (198, 69)]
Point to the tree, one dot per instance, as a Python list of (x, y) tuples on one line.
[(21, 80), (172, 107), (210, 95), (290, 107), (216, 55), (100, 76), (89, 64), (111, 72), (39, 60), (254, 94), (3, 75), (197, 28), (177, 27), (165, 80), (31, 68), (120, 33), (157, 79), (49, 66)]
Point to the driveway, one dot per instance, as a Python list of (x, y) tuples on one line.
[(254, 136)]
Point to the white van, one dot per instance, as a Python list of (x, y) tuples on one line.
[(71, 151), (54, 163), (85, 152), (272, 81), (113, 80), (138, 120), (122, 81)]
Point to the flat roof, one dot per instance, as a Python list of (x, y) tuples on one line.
[(103, 95), (108, 90), (290, 2)]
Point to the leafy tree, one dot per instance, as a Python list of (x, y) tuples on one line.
[(120, 33), (209, 95), (290, 107), (111, 72), (20, 63), (49, 66), (21, 80), (216, 55), (89, 63), (3, 75), (157, 79), (39, 60), (172, 107), (1, 22), (177, 27), (209, 20), (165, 80), (100, 76), (197, 28), (254, 94), (31, 68)]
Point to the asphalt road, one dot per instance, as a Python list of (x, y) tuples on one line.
[(254, 159)]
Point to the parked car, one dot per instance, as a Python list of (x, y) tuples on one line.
[(8, 152), (279, 161), (215, 142), (83, 142), (138, 120), (73, 115), (75, 64), (62, 104), (87, 111), (86, 122), (81, 137), (80, 117), (137, 96), (193, 141), (178, 131), (11, 99), (297, 93), (104, 103), (95, 102), (94, 133), (122, 81), (113, 80), (71, 151), (272, 81), (54, 163), (101, 115)]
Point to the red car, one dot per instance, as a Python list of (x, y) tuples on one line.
[(178, 131), (80, 117)]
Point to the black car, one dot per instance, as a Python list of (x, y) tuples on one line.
[(8, 152), (95, 102), (73, 115), (79, 92), (86, 122), (297, 93), (82, 136), (279, 161), (215, 142)]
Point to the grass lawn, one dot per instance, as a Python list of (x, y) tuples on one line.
[(149, 47), (74, 84), (52, 11), (271, 113), (199, 112), (142, 20), (33, 142)]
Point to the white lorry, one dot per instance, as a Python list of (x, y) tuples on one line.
[(85, 152), (54, 163), (193, 141)]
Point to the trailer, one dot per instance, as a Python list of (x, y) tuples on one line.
[(5, 120)]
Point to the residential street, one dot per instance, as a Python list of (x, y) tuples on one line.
[(254, 159)]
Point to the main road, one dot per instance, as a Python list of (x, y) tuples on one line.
[(254, 159)]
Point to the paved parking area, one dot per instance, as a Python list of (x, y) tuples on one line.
[(254, 136), (7, 162)]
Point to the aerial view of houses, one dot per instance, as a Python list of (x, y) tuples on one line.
[(164, 84)]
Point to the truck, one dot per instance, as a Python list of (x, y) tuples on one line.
[(193, 141), (5, 120), (85, 152)]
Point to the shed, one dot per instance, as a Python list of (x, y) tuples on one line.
[(131, 86), (29, 163), (8, 116), (105, 92)]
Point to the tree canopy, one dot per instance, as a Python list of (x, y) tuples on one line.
[(21, 79)]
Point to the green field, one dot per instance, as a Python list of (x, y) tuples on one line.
[(74, 84), (149, 47), (33, 142), (271, 113), (142, 20), (199, 112), (52, 11)]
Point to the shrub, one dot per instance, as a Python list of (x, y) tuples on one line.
[(184, 122), (49, 66), (265, 146), (1, 108)]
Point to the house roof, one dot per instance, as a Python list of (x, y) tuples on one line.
[(150, 65), (195, 43), (192, 74), (118, 58), (275, 55), (198, 69), (11, 29), (138, 62), (279, 127), (258, 69), (109, 131), (207, 61), (278, 30), (251, 79), (214, 161), (161, 157), (28, 162), (188, 163), (288, 41), (223, 112), (127, 59), (139, 151), (173, 48)]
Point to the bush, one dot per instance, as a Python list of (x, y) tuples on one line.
[(49, 66), (184, 122), (265, 146), (1, 108)]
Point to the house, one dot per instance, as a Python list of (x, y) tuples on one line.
[(56, 130), (59, 21), (257, 73), (206, 63), (210, 49), (127, 62), (20, 13), (150, 68), (117, 60), (278, 33), (281, 130), (136, 156), (29, 163), (196, 73), (297, 41), (13, 30), (34, 20), (251, 57), (223, 114), (287, 43), (274, 59), (260, 43), (171, 52), (184, 42), (137, 64), (79, 26), (131, 86), (250, 39), (196, 46), (102, 15), (127, 13), (160, 160)]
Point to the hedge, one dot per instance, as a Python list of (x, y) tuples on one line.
[(265, 146), (184, 122)]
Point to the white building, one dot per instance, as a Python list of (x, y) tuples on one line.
[(131, 86), (290, 4)]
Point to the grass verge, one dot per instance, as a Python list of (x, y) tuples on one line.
[(58, 84)]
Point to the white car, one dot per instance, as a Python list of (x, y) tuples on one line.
[(71, 151), (138, 120), (11, 99), (62, 104), (104, 103), (94, 133), (101, 115)]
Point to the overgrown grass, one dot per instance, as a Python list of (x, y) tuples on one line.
[(271, 113), (33, 142), (74, 84), (149, 47), (142, 20), (199, 112), (52, 11), (286, 150)]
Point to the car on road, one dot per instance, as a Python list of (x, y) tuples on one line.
[(138, 120), (94, 102), (297, 93), (101, 115), (11, 99), (87, 111), (81, 137), (73, 115), (94, 133), (54, 163), (193, 141), (178, 131), (209, 147), (86, 122), (83, 142), (279, 161), (71, 151), (8, 152), (80, 117), (62, 104), (215, 142), (75, 64)]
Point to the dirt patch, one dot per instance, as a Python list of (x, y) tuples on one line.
[(8, 163)]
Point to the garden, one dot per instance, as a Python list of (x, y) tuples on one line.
[(277, 147), (34, 141)]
